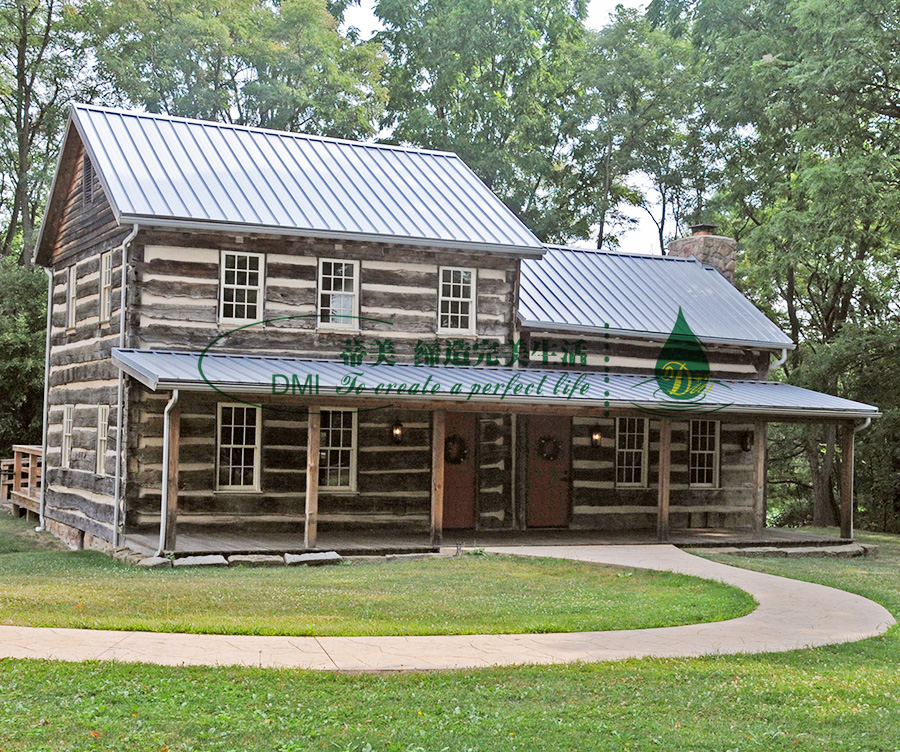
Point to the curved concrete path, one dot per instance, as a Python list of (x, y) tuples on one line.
[(790, 615)]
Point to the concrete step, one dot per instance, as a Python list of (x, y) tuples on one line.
[(841, 551)]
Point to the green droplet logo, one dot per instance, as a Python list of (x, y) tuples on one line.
[(682, 370)]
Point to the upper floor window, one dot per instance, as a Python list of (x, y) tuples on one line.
[(87, 181), (237, 466), (456, 300), (704, 466), (337, 450), (102, 437), (631, 452), (71, 296), (338, 294), (240, 286), (68, 423), (105, 287)]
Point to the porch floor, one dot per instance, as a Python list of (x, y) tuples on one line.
[(381, 542)]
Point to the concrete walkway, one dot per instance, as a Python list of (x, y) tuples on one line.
[(790, 615)]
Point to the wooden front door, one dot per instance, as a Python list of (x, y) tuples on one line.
[(460, 470), (549, 470)]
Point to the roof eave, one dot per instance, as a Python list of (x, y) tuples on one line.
[(652, 336), (151, 221)]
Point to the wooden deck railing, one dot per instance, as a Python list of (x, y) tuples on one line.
[(21, 479)]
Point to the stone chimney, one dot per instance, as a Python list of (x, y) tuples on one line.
[(708, 248)]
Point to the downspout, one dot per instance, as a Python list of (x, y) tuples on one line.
[(120, 396), (164, 506), (43, 500), (857, 429), (782, 360)]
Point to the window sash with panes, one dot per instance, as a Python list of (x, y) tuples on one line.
[(631, 452), (71, 296), (238, 450), (337, 450), (704, 464), (338, 294), (456, 309), (241, 286), (67, 426), (102, 437), (105, 287)]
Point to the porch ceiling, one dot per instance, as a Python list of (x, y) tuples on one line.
[(233, 374)]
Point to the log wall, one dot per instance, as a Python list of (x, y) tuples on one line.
[(81, 373)]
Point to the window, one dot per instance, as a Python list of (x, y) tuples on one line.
[(68, 421), (631, 452), (338, 294), (337, 450), (704, 453), (102, 437), (456, 303), (241, 286), (87, 181), (105, 287), (239, 448), (71, 296)]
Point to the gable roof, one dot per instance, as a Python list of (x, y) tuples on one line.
[(584, 290), (175, 172)]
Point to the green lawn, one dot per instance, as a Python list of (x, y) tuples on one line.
[(837, 698), (447, 595)]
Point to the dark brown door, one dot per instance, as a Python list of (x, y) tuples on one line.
[(549, 463), (460, 470)]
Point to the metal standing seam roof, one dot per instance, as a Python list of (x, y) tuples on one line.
[(168, 171), (587, 290), (249, 374)]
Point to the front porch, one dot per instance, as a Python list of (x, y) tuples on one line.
[(380, 542)]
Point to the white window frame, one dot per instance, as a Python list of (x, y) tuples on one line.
[(257, 447), (259, 288), (105, 287), (102, 437), (68, 425), (354, 449), (353, 324), (715, 452), (71, 296), (644, 455), (471, 329)]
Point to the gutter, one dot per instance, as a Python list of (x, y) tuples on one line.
[(164, 504), (120, 394), (43, 501)]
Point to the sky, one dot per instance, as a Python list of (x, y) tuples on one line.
[(642, 238)]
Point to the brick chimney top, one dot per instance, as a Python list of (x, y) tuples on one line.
[(703, 229)]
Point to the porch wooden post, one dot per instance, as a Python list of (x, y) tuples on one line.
[(311, 518), (437, 477), (174, 440), (665, 467), (847, 451), (760, 441)]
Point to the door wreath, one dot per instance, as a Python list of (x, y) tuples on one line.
[(455, 449), (549, 448)]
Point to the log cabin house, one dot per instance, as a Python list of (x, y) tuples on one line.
[(254, 333)]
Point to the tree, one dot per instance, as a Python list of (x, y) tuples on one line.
[(493, 81), (42, 60), (281, 65), (22, 329), (806, 133)]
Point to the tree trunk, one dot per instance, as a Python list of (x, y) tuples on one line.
[(822, 467)]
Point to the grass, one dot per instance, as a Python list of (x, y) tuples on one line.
[(837, 698), (458, 595)]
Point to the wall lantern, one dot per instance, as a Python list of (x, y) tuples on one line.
[(596, 437), (397, 432), (747, 440)]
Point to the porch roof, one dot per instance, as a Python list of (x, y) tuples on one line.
[(236, 374)]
